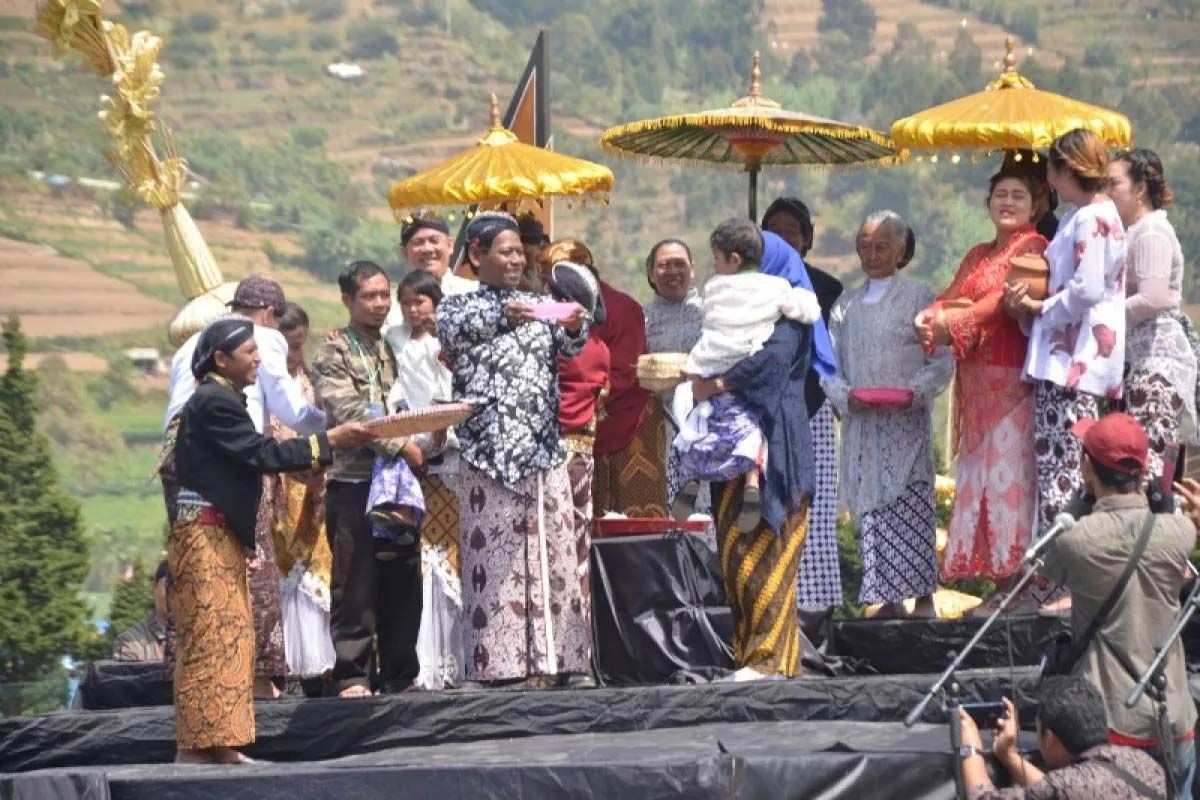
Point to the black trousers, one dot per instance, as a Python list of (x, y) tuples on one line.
[(372, 603)]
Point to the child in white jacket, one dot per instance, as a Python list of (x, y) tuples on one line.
[(720, 438)]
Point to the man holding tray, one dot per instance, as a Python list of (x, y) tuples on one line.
[(371, 600)]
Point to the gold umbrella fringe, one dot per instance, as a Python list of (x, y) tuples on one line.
[(127, 117), (735, 165), (766, 122), (405, 214)]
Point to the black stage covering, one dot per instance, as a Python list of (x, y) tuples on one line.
[(658, 609), (721, 760), (124, 684), (896, 646), (313, 730)]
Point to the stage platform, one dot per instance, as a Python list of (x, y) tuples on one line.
[(810, 738), (721, 760)]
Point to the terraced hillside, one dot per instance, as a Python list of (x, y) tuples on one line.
[(1162, 47)]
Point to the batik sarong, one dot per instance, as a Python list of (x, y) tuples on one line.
[(214, 648), (899, 548), (633, 481), (524, 612), (759, 569), (820, 579)]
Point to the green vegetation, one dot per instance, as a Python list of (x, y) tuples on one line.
[(43, 553)]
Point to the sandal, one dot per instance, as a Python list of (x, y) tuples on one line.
[(751, 514), (685, 501)]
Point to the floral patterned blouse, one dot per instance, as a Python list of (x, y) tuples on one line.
[(1078, 342), (512, 372)]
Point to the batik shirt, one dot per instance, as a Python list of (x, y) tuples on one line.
[(1088, 779), (512, 373)]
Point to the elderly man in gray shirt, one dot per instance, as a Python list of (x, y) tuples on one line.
[(1090, 558)]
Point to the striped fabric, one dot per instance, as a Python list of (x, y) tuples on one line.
[(760, 584)]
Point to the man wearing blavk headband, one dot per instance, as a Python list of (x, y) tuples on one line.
[(1091, 558)]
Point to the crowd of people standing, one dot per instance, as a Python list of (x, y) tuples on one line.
[(268, 464)]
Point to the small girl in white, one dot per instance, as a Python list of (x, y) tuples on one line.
[(720, 438)]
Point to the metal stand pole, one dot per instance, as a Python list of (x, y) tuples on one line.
[(1154, 671), (938, 685), (753, 195), (1154, 683)]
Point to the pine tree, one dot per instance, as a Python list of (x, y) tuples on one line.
[(43, 551), (132, 600)]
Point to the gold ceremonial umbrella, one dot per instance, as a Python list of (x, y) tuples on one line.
[(752, 133), (498, 169), (1010, 114)]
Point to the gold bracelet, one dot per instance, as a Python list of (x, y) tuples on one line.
[(315, 446)]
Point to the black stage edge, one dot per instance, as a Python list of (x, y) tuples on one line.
[(902, 646), (815, 761), (319, 729)]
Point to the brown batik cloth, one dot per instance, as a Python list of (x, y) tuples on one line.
[(214, 666), (759, 570), (269, 657), (509, 603), (633, 481)]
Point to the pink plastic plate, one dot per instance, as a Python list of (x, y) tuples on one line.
[(553, 312), (882, 396)]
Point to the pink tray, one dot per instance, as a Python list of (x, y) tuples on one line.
[(882, 396)]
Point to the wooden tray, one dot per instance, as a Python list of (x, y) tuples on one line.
[(423, 420)]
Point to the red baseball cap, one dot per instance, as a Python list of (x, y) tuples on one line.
[(1117, 441)]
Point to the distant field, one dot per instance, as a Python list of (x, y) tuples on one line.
[(90, 278)]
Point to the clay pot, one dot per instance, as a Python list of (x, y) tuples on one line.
[(1033, 271)]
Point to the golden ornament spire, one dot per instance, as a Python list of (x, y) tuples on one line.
[(755, 96)]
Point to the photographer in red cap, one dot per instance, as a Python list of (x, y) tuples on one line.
[(1092, 559)]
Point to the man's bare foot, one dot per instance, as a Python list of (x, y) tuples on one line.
[(193, 757), (924, 608), (227, 755), (1056, 608), (265, 689), (355, 690), (889, 610)]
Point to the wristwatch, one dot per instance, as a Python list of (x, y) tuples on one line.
[(968, 750)]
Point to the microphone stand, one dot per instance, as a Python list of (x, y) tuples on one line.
[(1153, 681), (947, 676), (940, 683), (1154, 674)]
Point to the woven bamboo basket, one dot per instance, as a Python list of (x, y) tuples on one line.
[(660, 372)]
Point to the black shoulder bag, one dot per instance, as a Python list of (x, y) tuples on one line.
[(1065, 650)]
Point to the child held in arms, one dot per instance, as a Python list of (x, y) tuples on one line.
[(396, 504), (721, 438)]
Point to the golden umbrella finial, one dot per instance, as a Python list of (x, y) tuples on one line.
[(755, 97), (495, 111), (1010, 58), (498, 169)]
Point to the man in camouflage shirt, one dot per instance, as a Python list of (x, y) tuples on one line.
[(375, 606)]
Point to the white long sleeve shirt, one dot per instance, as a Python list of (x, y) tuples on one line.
[(275, 385)]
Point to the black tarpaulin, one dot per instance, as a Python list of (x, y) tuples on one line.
[(814, 761), (910, 646), (658, 609), (318, 729)]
